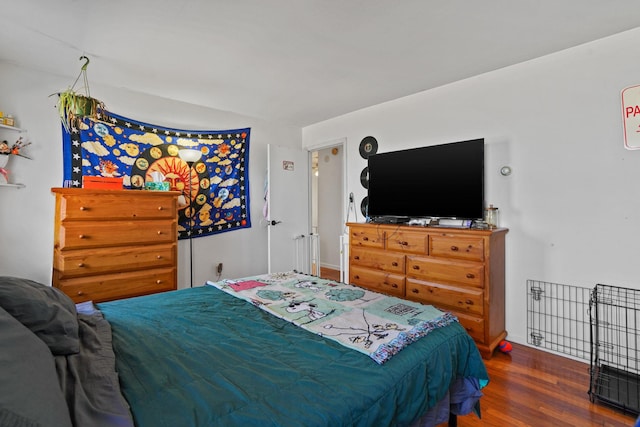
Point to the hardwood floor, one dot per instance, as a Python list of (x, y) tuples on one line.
[(530, 387), (534, 388), (329, 273)]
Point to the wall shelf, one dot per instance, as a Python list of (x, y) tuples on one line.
[(13, 128), (16, 186)]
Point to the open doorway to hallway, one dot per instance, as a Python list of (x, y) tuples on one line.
[(327, 206)]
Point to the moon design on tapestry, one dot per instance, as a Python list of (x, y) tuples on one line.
[(368, 146), (193, 182)]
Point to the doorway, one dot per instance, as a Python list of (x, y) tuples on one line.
[(328, 205)]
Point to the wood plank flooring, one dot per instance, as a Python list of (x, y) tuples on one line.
[(329, 273), (530, 387)]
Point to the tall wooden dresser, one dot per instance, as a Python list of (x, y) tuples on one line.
[(111, 244), (457, 270)]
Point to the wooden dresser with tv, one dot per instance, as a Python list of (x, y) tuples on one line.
[(457, 270), (111, 244)]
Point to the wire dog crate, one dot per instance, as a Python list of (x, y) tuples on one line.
[(600, 325), (615, 347)]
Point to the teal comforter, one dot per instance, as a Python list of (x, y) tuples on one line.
[(200, 357)]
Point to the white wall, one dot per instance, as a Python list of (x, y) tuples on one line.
[(572, 203), (26, 215)]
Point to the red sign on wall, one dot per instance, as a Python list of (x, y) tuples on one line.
[(631, 117)]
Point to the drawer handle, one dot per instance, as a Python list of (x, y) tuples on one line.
[(469, 302), (395, 264), (158, 256), (356, 277), (454, 248), (415, 291), (356, 257), (471, 276), (82, 208), (159, 232), (80, 293), (365, 238), (81, 236), (160, 208), (158, 281), (394, 285), (81, 264), (403, 243), (416, 267)]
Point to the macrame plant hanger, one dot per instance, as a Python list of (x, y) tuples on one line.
[(83, 74), (74, 105)]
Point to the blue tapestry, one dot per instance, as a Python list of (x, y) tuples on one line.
[(215, 189)]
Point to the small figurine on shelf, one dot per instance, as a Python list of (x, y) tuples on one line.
[(15, 148), (5, 152)]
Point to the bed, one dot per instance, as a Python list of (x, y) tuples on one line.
[(205, 357)]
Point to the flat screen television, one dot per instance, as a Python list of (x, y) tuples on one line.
[(439, 181)]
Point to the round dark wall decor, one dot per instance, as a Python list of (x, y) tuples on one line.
[(368, 146), (364, 206), (364, 177)]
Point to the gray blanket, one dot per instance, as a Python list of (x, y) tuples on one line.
[(57, 366), (88, 379)]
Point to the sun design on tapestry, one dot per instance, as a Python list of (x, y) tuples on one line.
[(213, 191)]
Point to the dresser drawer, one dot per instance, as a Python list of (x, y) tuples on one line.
[(450, 246), (121, 285), (465, 300), (432, 269), (94, 234), (377, 259), (380, 281), (472, 324), (118, 205), (407, 241), (113, 260), (366, 237)]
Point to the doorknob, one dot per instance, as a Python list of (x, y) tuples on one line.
[(274, 222)]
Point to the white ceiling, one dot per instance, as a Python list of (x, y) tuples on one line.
[(295, 61)]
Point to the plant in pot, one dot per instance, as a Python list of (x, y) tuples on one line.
[(74, 106)]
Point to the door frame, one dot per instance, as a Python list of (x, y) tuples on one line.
[(342, 144)]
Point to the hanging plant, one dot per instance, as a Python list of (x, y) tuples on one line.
[(74, 106)]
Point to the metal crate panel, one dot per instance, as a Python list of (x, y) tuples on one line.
[(558, 318)]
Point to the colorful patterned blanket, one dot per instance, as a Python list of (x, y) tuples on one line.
[(369, 322)]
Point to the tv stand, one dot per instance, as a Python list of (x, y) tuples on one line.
[(456, 270)]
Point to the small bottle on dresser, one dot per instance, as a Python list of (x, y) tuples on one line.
[(491, 216)]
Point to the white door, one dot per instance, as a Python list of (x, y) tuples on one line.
[(288, 207)]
